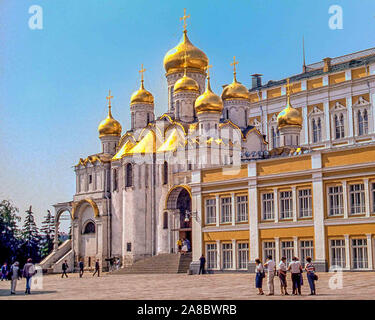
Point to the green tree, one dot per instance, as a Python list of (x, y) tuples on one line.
[(31, 237), (48, 232), (9, 232)]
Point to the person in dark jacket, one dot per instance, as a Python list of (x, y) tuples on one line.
[(4, 271), (81, 266), (64, 268), (97, 268), (202, 260), (28, 272)]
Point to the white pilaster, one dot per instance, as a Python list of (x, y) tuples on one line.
[(367, 197), (348, 75), (295, 245), (369, 251), (218, 261), (217, 210), (276, 204), (350, 115), (303, 85), (277, 250), (372, 115), (234, 255), (294, 201), (197, 235), (347, 252), (253, 223), (345, 199), (233, 203), (327, 121), (325, 80)]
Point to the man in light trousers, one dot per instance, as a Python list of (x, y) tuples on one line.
[(270, 265)]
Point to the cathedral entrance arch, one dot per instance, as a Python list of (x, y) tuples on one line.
[(178, 202), (63, 213)]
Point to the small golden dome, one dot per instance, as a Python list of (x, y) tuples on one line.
[(109, 126), (174, 58), (142, 96), (235, 91), (186, 84), (289, 117), (208, 101)]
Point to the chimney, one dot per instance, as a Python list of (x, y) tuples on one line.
[(327, 64), (256, 80)]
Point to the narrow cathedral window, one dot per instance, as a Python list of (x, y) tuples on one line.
[(129, 175), (165, 220), (90, 178), (89, 228), (165, 173), (115, 180)]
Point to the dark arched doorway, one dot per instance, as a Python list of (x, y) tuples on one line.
[(184, 207)]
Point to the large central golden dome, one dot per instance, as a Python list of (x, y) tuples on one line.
[(174, 58), (208, 102)]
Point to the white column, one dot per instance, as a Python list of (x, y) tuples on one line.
[(277, 250), (217, 210), (218, 262), (294, 201), (369, 251), (347, 252), (276, 204), (295, 245), (253, 223), (327, 121), (345, 199), (367, 197), (350, 115), (305, 127), (233, 202), (197, 236), (234, 255)]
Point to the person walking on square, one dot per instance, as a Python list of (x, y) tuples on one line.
[(64, 268), (295, 268), (15, 274), (184, 247), (282, 276), (28, 272), (4, 271), (311, 276), (259, 270), (97, 268), (270, 265), (81, 267), (202, 260)]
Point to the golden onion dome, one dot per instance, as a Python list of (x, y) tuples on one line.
[(186, 84), (174, 58), (142, 96), (208, 101), (235, 91), (109, 126), (289, 117)]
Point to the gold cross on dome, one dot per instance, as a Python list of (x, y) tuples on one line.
[(208, 70), (184, 19), (234, 63), (288, 87), (141, 72), (109, 97)]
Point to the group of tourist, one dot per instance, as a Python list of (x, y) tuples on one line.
[(295, 269), (183, 246), (81, 265), (14, 273)]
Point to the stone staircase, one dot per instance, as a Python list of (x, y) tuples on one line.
[(161, 263)]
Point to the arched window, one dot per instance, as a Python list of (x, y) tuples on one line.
[(115, 179), (317, 130), (360, 123), (129, 175), (227, 111), (165, 220), (148, 118), (365, 122), (314, 127), (89, 228), (273, 137), (165, 173), (339, 126)]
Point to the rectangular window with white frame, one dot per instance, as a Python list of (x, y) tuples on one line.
[(210, 211), (269, 249), (357, 198), (287, 250), (286, 204), (242, 209), (211, 250), (306, 250), (335, 201), (226, 209), (243, 255), (304, 203), (268, 211), (359, 254), (227, 255), (337, 253)]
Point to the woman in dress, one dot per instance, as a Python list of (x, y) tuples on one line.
[(184, 247), (259, 270), (311, 277)]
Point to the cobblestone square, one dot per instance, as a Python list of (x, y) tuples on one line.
[(356, 285)]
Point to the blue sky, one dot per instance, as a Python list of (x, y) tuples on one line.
[(54, 81)]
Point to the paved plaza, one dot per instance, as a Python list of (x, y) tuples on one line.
[(356, 285)]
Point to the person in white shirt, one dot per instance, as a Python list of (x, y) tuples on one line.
[(270, 265), (295, 268), (282, 276), (259, 276)]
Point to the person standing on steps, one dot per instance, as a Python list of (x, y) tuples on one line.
[(81, 266), (97, 268), (64, 268), (202, 260)]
